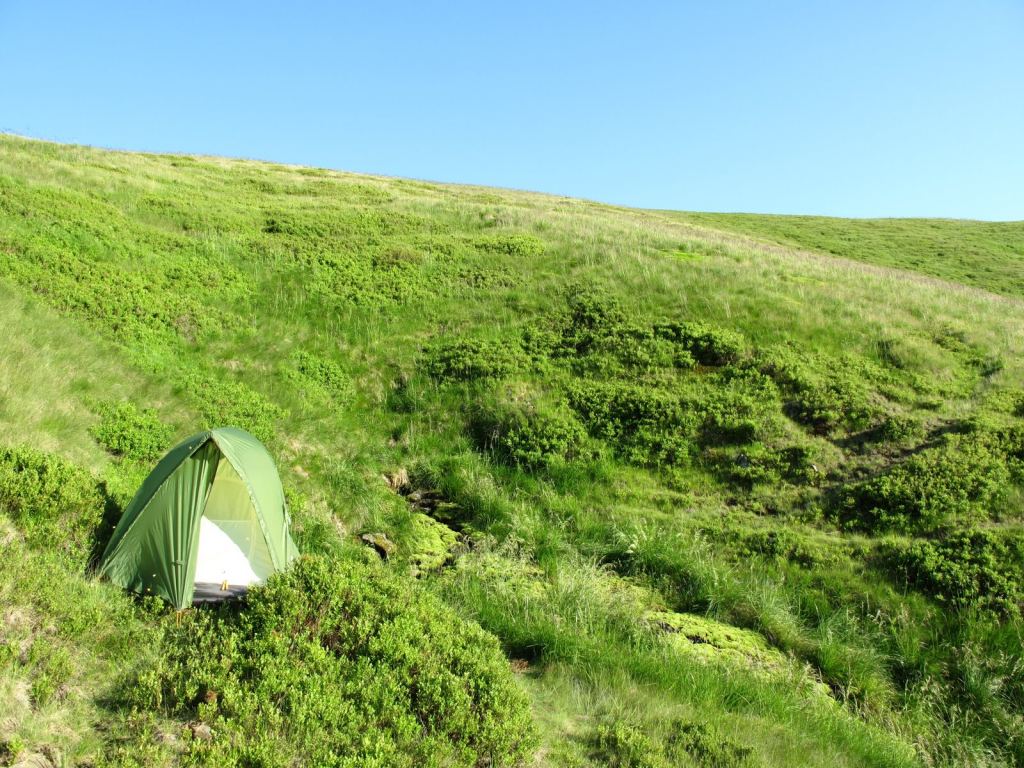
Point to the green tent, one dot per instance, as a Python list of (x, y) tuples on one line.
[(208, 522)]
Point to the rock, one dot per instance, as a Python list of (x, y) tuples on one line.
[(379, 541), (201, 731)]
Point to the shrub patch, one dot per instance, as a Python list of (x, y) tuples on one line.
[(967, 568), (57, 504), (464, 359), (133, 433), (962, 480), (338, 658)]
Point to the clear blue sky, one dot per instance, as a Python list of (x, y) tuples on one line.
[(855, 108)]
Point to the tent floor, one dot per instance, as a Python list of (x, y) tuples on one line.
[(206, 592)]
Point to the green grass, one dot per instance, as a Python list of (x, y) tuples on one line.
[(700, 484), (982, 254)]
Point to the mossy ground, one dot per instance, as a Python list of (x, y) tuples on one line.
[(619, 413)]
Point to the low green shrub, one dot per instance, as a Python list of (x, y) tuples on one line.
[(987, 365), (960, 481), (728, 429), (901, 429), (231, 404), (644, 425), (517, 245), (832, 403), (707, 344), (967, 569), (52, 668), (464, 359), (530, 435), (738, 405), (598, 337), (540, 342), (1009, 442), (780, 543), (824, 394), (623, 745), (708, 747), (134, 433), (333, 275), (120, 482), (144, 306), (632, 348), (340, 663), (684, 743), (309, 370), (482, 277), (591, 316), (760, 464), (55, 503)]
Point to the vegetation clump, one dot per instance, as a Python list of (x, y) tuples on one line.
[(232, 404), (516, 245), (466, 359), (960, 481), (54, 502), (597, 337), (647, 426), (530, 435), (330, 661), (709, 345), (320, 374), (431, 543), (970, 568), (131, 432), (824, 397), (622, 744), (901, 430), (756, 464), (710, 641), (1010, 443)]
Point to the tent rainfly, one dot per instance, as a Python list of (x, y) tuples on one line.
[(208, 522)]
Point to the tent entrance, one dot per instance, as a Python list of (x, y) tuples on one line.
[(232, 548)]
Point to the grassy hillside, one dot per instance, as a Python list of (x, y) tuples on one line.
[(984, 254), (658, 495)]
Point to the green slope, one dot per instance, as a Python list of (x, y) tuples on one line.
[(660, 495), (984, 254)]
